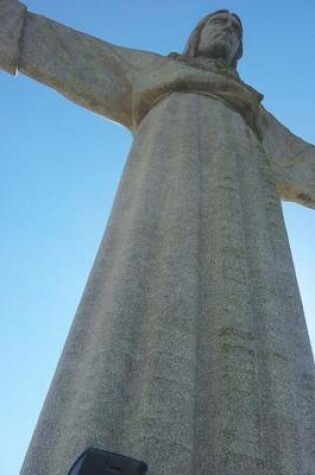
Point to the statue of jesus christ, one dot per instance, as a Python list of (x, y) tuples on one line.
[(189, 349)]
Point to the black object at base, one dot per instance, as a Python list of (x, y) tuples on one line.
[(101, 462)]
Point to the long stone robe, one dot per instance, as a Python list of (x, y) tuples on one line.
[(189, 349)]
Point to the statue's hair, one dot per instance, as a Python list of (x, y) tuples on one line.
[(192, 44)]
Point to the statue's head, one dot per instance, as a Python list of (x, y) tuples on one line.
[(217, 36)]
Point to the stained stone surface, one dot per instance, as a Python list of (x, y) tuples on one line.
[(189, 349)]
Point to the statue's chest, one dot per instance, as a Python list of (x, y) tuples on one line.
[(177, 76)]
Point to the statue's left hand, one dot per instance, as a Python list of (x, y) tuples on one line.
[(12, 15)]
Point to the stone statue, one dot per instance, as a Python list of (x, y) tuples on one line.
[(189, 349)]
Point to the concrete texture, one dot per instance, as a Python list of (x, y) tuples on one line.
[(189, 349)]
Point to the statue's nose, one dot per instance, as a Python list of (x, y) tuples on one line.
[(228, 24)]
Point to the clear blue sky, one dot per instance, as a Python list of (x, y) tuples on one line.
[(60, 166)]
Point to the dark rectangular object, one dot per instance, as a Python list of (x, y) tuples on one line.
[(102, 462)]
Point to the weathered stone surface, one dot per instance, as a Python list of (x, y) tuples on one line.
[(189, 349), (12, 15)]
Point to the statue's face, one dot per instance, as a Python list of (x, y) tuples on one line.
[(220, 37)]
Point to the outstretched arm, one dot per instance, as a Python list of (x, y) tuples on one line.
[(12, 17), (90, 72), (292, 160)]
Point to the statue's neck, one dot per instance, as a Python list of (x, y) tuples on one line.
[(218, 66)]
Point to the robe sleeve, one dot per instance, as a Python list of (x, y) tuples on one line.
[(12, 17), (90, 72), (292, 161)]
